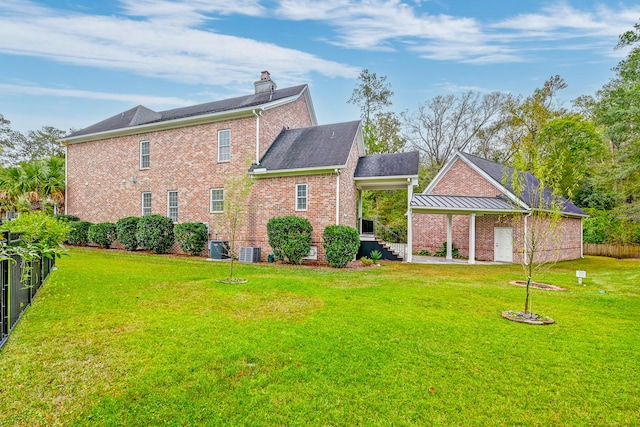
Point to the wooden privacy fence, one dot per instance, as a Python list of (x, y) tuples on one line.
[(612, 250), (17, 291)]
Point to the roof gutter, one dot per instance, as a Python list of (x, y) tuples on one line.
[(264, 173)]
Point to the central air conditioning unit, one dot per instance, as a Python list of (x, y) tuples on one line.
[(249, 254)]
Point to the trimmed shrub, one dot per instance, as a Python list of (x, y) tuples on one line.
[(126, 229), (442, 252), (290, 238), (155, 232), (103, 234), (192, 237), (66, 218), (39, 228), (79, 233), (341, 244)]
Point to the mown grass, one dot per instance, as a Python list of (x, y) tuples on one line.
[(117, 338)]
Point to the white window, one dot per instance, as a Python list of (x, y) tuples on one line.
[(144, 155), (224, 145), (172, 205), (301, 197), (146, 204), (217, 200)]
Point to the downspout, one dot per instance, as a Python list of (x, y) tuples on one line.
[(257, 114), (337, 196), (581, 237), (66, 178)]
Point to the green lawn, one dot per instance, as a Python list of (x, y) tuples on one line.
[(117, 338)]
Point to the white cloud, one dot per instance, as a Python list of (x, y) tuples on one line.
[(85, 94), (151, 47), (396, 24)]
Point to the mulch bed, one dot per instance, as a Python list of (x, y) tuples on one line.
[(537, 285)]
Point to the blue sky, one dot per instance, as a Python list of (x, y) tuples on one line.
[(71, 63)]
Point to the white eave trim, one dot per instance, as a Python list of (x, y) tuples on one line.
[(386, 178), (266, 173), (187, 121), (482, 173)]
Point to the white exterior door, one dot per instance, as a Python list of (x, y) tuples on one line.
[(503, 244)]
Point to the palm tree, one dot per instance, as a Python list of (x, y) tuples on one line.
[(33, 185)]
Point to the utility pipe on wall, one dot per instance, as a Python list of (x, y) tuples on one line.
[(257, 114), (337, 196)]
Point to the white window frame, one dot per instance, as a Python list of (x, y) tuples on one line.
[(211, 200), (146, 210), (145, 157), (171, 207), (304, 197), (224, 142)]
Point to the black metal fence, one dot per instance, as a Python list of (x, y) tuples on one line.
[(20, 280)]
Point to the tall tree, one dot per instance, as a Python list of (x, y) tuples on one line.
[(372, 95), (382, 134), (614, 108), (446, 124), (15, 147)]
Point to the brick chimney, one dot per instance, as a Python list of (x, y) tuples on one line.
[(265, 84)]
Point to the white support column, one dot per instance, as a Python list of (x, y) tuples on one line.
[(472, 238), (360, 195), (449, 236), (409, 251)]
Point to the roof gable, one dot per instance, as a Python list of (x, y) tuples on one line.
[(501, 177), (141, 115), (310, 148)]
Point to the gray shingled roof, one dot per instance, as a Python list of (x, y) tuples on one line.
[(461, 203), (497, 172), (396, 164), (141, 115), (310, 147)]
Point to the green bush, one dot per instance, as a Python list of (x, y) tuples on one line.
[(290, 237), (341, 244), (103, 234), (66, 218), (126, 229), (442, 252), (376, 256), (366, 261), (79, 233), (39, 228), (192, 237), (155, 232), (424, 252)]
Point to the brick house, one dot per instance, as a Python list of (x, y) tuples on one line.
[(468, 205), (175, 163)]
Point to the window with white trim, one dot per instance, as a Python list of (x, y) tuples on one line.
[(145, 154), (224, 145), (172, 205), (301, 197), (146, 204), (217, 199)]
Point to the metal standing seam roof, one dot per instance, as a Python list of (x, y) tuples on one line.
[(435, 202), (529, 194), (142, 115)]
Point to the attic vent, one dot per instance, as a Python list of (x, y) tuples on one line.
[(333, 134), (249, 254)]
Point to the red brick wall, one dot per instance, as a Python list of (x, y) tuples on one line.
[(430, 230), (99, 179), (462, 180), (186, 159)]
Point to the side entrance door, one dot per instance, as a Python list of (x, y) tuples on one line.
[(503, 244)]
